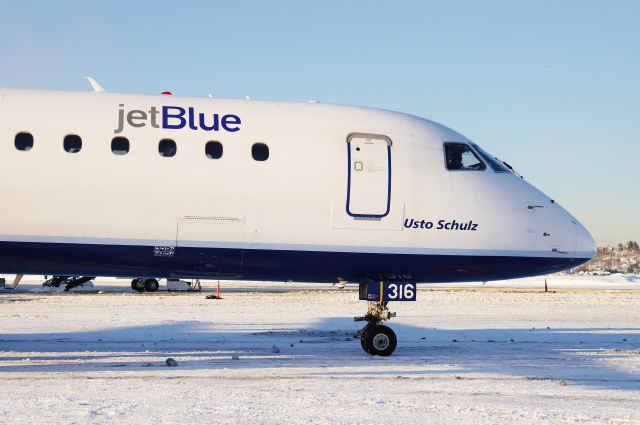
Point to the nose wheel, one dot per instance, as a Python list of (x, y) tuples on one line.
[(378, 340), (375, 338)]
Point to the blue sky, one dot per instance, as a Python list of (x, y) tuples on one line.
[(553, 87)]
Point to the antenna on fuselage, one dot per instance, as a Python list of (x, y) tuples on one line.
[(97, 88)]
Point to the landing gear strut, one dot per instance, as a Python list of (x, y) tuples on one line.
[(69, 282), (77, 281), (376, 338)]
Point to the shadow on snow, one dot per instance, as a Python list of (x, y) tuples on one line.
[(585, 356)]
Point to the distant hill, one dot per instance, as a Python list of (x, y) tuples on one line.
[(623, 258)]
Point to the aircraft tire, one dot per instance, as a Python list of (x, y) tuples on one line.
[(151, 285), (137, 285), (381, 341), (364, 343)]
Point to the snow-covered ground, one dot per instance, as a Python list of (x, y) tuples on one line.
[(503, 352)]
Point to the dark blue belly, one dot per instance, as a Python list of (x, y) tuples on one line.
[(71, 259)]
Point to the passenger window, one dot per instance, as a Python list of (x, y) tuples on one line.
[(24, 141), (260, 152), (167, 148), (72, 143), (459, 156), (120, 146), (213, 150)]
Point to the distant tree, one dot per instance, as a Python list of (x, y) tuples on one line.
[(620, 247), (630, 245), (635, 246)]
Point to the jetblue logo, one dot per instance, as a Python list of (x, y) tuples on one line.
[(468, 226), (175, 118)]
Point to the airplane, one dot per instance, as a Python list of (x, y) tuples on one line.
[(161, 186)]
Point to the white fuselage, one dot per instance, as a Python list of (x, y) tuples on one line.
[(403, 199)]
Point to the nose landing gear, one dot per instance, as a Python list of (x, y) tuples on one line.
[(376, 338)]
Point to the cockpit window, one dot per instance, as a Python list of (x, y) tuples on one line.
[(494, 162), (460, 156)]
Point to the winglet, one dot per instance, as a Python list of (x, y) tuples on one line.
[(97, 88)]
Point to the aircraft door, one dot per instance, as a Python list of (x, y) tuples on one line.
[(369, 177)]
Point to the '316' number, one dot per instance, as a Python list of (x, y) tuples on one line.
[(401, 292)]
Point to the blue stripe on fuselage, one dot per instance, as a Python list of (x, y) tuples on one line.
[(74, 259)]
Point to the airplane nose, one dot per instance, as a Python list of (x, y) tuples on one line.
[(585, 244)]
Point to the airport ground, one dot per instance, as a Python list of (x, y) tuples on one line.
[(279, 353)]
